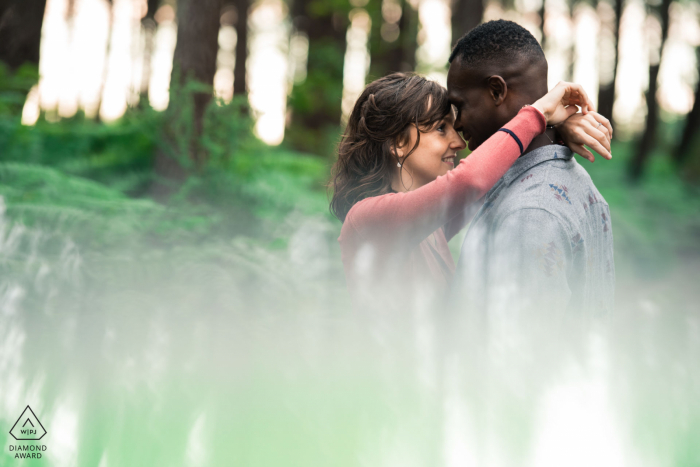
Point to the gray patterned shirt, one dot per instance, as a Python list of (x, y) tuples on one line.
[(542, 239)]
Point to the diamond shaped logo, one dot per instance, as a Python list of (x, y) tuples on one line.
[(28, 427)]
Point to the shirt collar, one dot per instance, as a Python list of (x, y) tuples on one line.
[(533, 158)]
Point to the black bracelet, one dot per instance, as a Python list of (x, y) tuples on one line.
[(517, 140)]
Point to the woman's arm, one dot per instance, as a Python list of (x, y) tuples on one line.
[(591, 129), (457, 223), (413, 215)]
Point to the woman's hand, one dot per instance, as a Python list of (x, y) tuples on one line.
[(560, 103), (591, 129)]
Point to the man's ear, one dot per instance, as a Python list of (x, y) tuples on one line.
[(498, 89)]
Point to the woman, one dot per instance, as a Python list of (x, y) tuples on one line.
[(396, 194)]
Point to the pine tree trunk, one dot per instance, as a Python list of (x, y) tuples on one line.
[(409, 36), (399, 53), (572, 49), (20, 31), (692, 125), (606, 91), (466, 15), (239, 71), (20, 39), (108, 50), (148, 26), (316, 103), (542, 14), (194, 60), (648, 140), (196, 49)]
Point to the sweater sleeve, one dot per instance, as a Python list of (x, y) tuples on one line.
[(413, 215)]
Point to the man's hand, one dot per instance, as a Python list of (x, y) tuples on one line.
[(591, 129)]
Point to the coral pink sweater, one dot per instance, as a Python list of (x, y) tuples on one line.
[(403, 236)]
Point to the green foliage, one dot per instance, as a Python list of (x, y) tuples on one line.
[(655, 221), (90, 181), (14, 87), (316, 102), (80, 178), (119, 155)]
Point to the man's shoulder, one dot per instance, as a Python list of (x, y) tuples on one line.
[(561, 187)]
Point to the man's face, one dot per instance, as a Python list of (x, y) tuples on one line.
[(477, 116)]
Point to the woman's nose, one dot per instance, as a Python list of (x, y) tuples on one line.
[(458, 142)]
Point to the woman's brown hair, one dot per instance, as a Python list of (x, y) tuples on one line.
[(380, 121)]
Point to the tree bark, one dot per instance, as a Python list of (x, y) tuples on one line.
[(606, 91), (542, 14), (316, 103), (572, 49), (20, 40), (466, 15), (196, 49), (398, 54), (194, 60), (239, 71), (148, 26), (648, 140), (409, 37), (20, 31), (692, 124), (108, 49)]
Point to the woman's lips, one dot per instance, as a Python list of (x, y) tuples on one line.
[(449, 161)]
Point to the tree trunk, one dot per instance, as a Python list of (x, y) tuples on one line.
[(572, 49), (648, 139), (194, 60), (542, 14), (606, 91), (108, 49), (409, 36), (20, 38), (692, 124), (148, 26), (239, 70), (316, 103), (196, 49), (392, 44), (20, 31), (466, 15)]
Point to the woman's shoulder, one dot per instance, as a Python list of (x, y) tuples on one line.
[(361, 215)]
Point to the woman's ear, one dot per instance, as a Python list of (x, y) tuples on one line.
[(397, 151), (498, 89)]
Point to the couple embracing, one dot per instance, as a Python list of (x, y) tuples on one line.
[(539, 231)]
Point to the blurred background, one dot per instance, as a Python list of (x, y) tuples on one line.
[(171, 290)]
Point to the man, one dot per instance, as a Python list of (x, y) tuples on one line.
[(543, 237)]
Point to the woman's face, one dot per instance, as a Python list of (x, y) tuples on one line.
[(434, 156)]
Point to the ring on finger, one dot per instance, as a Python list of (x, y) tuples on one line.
[(599, 123)]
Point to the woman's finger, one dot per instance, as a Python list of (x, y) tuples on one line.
[(598, 135), (586, 103), (597, 130), (606, 123), (594, 144)]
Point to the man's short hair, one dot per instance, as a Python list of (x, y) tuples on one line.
[(497, 41)]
